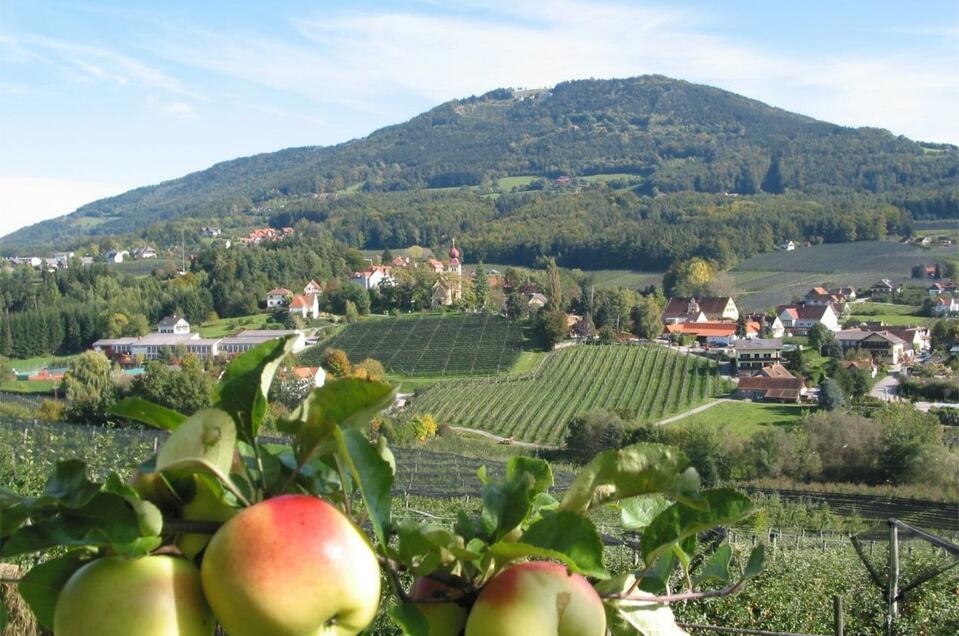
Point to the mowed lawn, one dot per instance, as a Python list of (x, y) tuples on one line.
[(745, 419), (888, 313), (228, 326)]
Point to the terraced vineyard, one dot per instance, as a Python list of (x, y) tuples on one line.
[(445, 344), (650, 381)]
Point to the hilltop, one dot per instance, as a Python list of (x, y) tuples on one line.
[(656, 134)]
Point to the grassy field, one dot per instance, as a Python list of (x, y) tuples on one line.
[(28, 386), (744, 419), (508, 183), (777, 277), (443, 344), (625, 278), (229, 326), (650, 381), (38, 362), (888, 313)]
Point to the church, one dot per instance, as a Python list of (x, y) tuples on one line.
[(448, 287)]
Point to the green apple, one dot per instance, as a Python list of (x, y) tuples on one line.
[(444, 619), (149, 596), (537, 599), (291, 566)]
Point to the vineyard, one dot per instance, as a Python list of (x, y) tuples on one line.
[(648, 381), (445, 344)]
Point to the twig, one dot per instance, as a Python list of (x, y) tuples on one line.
[(673, 598), (180, 526)]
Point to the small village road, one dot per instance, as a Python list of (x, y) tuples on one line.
[(698, 409), (886, 389)]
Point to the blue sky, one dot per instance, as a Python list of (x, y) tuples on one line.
[(99, 97)]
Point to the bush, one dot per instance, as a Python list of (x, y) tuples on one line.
[(594, 432), (50, 410)]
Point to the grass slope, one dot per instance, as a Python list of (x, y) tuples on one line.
[(445, 344), (650, 381), (744, 419)]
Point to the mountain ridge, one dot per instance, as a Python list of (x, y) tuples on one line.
[(671, 135)]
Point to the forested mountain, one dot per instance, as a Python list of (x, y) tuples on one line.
[(660, 135)]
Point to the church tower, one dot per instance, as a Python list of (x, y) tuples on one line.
[(455, 266)]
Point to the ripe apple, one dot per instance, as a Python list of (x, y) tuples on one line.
[(291, 566), (444, 619), (149, 596), (537, 599)]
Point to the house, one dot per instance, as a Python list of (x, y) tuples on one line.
[(116, 256), (755, 353), (313, 288), (246, 340), (305, 305), (799, 318), (278, 297), (864, 364), (707, 308), (315, 374), (436, 265), (259, 235), (838, 296), (174, 325), (373, 277), (918, 338), (787, 246), (771, 389), (883, 346), (211, 232), (536, 301), (885, 286), (945, 305), (445, 292), (153, 346), (144, 252), (774, 371), (712, 333), (402, 261), (940, 288)]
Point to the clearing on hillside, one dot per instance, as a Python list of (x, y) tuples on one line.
[(648, 380), (445, 344)]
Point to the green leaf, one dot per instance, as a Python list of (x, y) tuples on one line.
[(537, 469), (564, 536), (372, 474), (409, 618), (40, 587), (149, 517), (641, 469), (508, 503), (206, 436), (678, 522), (150, 413), (69, 484), (424, 548), (14, 511), (716, 568), (755, 563), (638, 512), (243, 388)]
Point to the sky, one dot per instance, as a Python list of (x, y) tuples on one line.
[(100, 97)]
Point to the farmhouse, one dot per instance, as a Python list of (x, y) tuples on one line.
[(945, 305), (714, 333), (144, 252), (313, 287), (536, 301), (772, 389), (373, 277), (787, 246), (305, 306), (708, 308), (316, 375), (755, 353), (116, 256), (800, 318), (278, 297), (174, 325), (885, 286), (883, 346), (940, 288)]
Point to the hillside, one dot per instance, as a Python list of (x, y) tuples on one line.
[(659, 134)]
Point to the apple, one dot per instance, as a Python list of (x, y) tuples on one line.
[(444, 619), (537, 599), (207, 505), (149, 596), (291, 566)]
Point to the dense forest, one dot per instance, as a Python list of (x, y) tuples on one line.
[(664, 135)]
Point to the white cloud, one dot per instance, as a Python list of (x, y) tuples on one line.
[(29, 200), (368, 60)]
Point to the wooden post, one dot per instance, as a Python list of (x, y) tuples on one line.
[(839, 621), (892, 587)]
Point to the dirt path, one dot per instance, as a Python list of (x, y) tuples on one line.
[(503, 440), (698, 409)]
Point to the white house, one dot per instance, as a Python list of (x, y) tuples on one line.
[(787, 246), (883, 346), (945, 305), (705, 309), (116, 256), (313, 288), (756, 353), (277, 297), (375, 276), (144, 252), (315, 374), (800, 318), (174, 325), (305, 305)]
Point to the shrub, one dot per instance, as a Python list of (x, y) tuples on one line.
[(593, 432), (50, 410)]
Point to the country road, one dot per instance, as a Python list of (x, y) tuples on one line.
[(698, 409), (502, 440)]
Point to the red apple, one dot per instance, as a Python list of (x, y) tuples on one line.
[(444, 619), (537, 599), (149, 596), (291, 566)]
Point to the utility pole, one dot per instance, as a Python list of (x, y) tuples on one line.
[(892, 586), (183, 251)]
